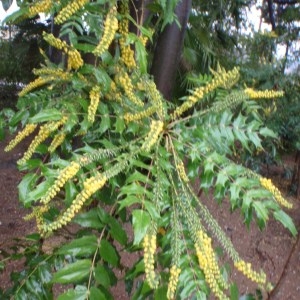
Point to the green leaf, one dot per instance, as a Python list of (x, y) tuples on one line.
[(141, 56), (89, 219), (26, 185), (109, 253), (267, 132), (286, 221), (141, 221), (84, 246), (79, 293), (74, 272), (21, 115), (128, 201), (38, 192), (234, 292), (260, 210), (96, 294), (102, 276), (117, 231), (50, 114)]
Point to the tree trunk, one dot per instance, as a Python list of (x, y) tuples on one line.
[(168, 50)]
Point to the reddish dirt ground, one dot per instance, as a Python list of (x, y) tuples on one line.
[(274, 250)]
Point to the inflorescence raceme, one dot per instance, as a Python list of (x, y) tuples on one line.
[(268, 185), (149, 245)]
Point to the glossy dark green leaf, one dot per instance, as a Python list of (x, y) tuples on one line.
[(26, 185), (79, 293), (141, 56), (74, 272), (234, 292), (50, 114), (89, 219), (96, 294), (109, 253), (84, 246), (21, 115), (102, 276), (45, 274), (260, 210), (117, 231), (286, 221), (141, 221)]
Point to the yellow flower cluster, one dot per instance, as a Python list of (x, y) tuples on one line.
[(144, 39), (221, 79), (268, 185), (75, 60), (127, 54), (90, 186), (43, 6), (110, 28), (55, 42), (181, 171), (27, 130), (42, 135), (173, 281), (207, 262), (55, 73), (155, 97), (33, 85), (149, 245), (66, 174), (129, 117), (156, 128), (127, 85), (114, 94), (95, 98), (267, 94), (69, 10), (37, 213), (246, 269), (56, 142)]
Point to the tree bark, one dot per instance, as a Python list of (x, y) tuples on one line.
[(168, 51), (271, 14)]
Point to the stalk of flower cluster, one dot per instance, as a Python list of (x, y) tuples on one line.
[(34, 84), (267, 94), (207, 262), (127, 54), (43, 6), (125, 82), (42, 135), (173, 281), (221, 79), (149, 245), (69, 10), (110, 28), (268, 185), (75, 60), (156, 129), (94, 98), (246, 269), (66, 174), (56, 142), (90, 186), (27, 130)]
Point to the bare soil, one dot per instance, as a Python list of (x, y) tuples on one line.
[(274, 250)]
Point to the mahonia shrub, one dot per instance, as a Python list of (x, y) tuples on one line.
[(108, 150)]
